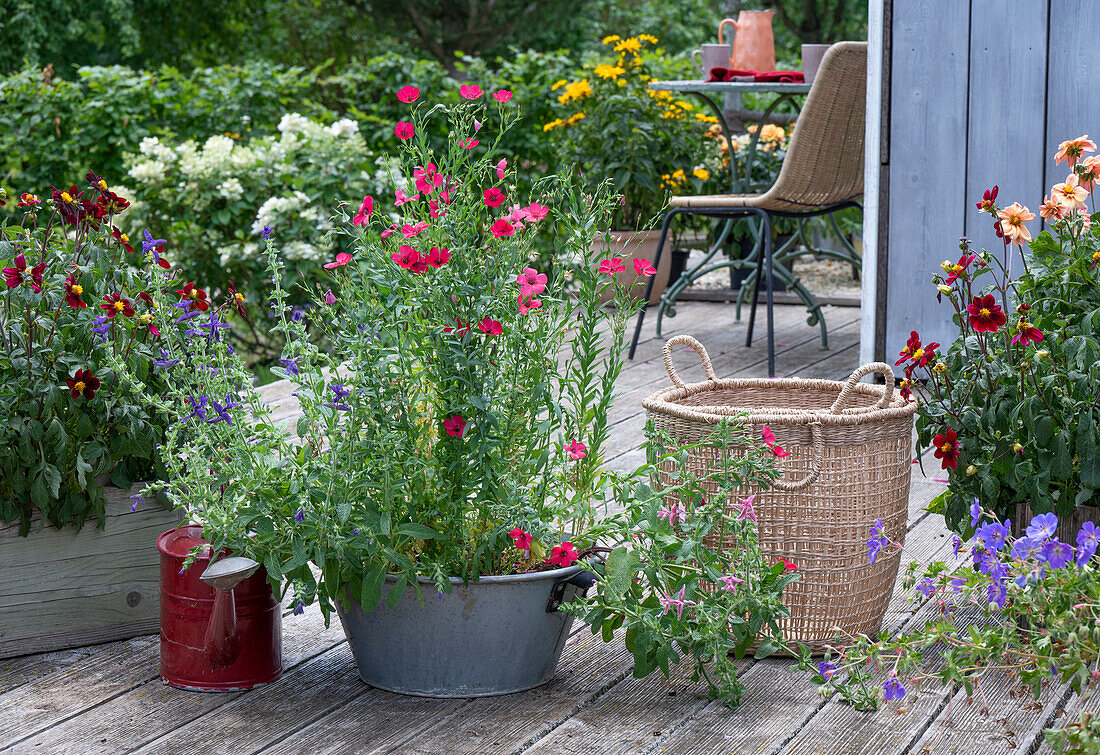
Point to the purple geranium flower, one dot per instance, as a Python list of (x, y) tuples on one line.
[(827, 669), (1042, 527), (956, 543), (1024, 548), (1087, 541), (926, 587), (993, 534), (893, 689), (998, 593), (975, 513), (1056, 554)]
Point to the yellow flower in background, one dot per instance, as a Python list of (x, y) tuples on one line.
[(575, 91), (613, 38), (620, 83), (574, 118), (605, 71), (701, 173), (773, 133), (648, 38), (704, 118), (553, 124), (558, 85), (684, 105), (631, 45)]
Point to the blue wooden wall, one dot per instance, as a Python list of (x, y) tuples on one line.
[(980, 93)]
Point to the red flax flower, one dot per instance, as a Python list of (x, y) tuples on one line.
[(455, 426), (520, 538), (114, 304), (196, 296), (73, 290), (502, 228), (612, 266), (769, 441), (83, 382), (404, 130), (947, 448), (20, 275), (342, 259), (493, 197), (408, 94), (642, 267), (564, 555), (490, 327), (985, 314)]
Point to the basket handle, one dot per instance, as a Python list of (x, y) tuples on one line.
[(811, 478), (708, 368), (888, 396)]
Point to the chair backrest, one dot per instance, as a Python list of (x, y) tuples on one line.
[(824, 162)]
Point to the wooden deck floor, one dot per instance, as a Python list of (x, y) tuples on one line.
[(109, 698)]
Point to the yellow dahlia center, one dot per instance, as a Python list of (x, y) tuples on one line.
[(78, 386), (946, 447), (77, 289), (918, 353), (66, 197), (239, 298), (124, 238), (102, 184), (119, 306), (146, 318), (984, 312)]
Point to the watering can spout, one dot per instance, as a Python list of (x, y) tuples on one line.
[(227, 573), (223, 645)]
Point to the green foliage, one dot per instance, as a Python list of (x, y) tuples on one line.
[(1027, 414), (56, 443), (679, 596)]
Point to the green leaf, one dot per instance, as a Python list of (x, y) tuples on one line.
[(621, 566), (767, 647), (372, 588), (419, 531), (343, 510), (396, 593), (1044, 430)]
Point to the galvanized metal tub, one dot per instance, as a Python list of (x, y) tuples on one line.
[(492, 637)]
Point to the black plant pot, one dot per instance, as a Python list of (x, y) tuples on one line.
[(738, 275), (678, 264)]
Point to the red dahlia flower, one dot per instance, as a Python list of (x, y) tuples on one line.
[(947, 448), (1028, 333), (123, 239), (83, 382), (237, 299), (20, 275), (68, 204), (73, 290), (989, 197), (958, 270), (114, 304), (196, 295), (985, 314), (912, 346)]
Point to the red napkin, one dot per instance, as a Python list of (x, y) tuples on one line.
[(784, 77)]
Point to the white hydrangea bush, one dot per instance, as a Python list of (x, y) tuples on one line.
[(212, 199)]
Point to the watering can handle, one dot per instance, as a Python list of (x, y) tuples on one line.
[(725, 21), (581, 580)]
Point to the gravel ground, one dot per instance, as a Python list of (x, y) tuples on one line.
[(822, 276)]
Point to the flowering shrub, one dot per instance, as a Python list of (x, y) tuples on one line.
[(612, 127), (69, 306), (1011, 408), (1037, 596), (665, 582), (215, 198), (440, 434)]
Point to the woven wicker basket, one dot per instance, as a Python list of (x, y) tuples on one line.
[(850, 447)]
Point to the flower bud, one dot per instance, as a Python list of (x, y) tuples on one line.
[(1042, 353), (947, 265), (940, 367), (944, 289), (1017, 447), (971, 471)]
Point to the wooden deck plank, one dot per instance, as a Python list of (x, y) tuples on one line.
[(125, 712)]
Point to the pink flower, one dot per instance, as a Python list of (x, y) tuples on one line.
[(490, 327), (439, 257), (612, 266), (673, 512), (678, 603), (788, 565), (433, 210), (502, 95), (454, 426), (536, 212), (469, 143), (502, 228), (477, 125), (404, 130), (389, 231), (427, 179), (330, 298), (576, 449), (470, 91), (408, 258), (520, 538), (730, 582), (531, 282), (769, 441), (342, 259), (501, 167), (408, 94), (745, 511), (527, 303), (400, 198), (493, 197), (365, 210), (409, 231), (642, 267), (564, 555)]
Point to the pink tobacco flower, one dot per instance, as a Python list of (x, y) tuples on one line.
[(502, 95), (745, 511), (470, 91), (438, 257), (564, 555), (493, 197), (1027, 333), (730, 582), (400, 199), (673, 512), (520, 538), (490, 327), (502, 228), (527, 303), (365, 210), (455, 426), (612, 266), (642, 267), (669, 602), (501, 167), (576, 449), (408, 94), (531, 282), (409, 231), (404, 130), (330, 298), (342, 259)]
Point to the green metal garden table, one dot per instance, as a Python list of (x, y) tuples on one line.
[(798, 244)]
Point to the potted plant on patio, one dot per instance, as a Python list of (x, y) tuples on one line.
[(647, 143), (1011, 407), (76, 435)]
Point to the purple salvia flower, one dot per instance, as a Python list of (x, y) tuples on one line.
[(103, 324), (300, 516), (265, 234), (291, 365), (299, 607)]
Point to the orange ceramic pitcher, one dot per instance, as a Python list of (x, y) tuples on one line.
[(753, 41)]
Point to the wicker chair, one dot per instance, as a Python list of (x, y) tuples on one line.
[(822, 172)]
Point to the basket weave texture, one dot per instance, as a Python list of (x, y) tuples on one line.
[(850, 461)]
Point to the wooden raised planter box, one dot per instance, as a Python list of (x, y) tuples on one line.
[(63, 588)]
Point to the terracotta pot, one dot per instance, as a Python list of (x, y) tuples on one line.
[(643, 245)]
